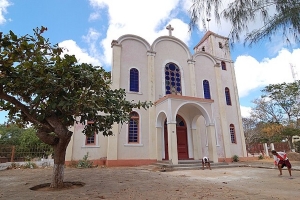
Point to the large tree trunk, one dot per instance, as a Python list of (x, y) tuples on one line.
[(59, 163), (59, 141)]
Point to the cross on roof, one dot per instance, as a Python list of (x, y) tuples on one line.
[(170, 28)]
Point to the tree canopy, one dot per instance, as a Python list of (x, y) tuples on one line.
[(277, 112), (42, 86), (278, 17)]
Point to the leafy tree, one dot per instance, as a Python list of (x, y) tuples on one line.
[(279, 110), (26, 142), (278, 16), (51, 91)]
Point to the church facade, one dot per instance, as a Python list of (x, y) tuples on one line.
[(196, 109)]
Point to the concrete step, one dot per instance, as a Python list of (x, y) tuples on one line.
[(190, 165)]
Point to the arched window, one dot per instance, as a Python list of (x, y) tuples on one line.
[(206, 89), (172, 79), (220, 45), (91, 138), (232, 134), (134, 80), (203, 48), (223, 65), (133, 128), (227, 95)]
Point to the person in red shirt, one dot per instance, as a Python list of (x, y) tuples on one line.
[(281, 160)]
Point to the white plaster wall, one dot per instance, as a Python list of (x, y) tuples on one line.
[(97, 151), (134, 55)]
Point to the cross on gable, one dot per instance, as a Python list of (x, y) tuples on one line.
[(170, 28)]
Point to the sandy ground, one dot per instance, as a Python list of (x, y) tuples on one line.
[(148, 183)]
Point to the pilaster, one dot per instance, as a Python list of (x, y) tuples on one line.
[(191, 65), (112, 146), (151, 110)]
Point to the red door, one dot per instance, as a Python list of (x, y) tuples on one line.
[(182, 143), (182, 146)]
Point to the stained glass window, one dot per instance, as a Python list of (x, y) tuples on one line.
[(172, 79)]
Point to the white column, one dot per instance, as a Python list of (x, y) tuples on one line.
[(172, 143), (159, 143), (112, 146), (212, 149), (69, 150)]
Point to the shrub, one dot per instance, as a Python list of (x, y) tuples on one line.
[(260, 157), (29, 165), (85, 163), (235, 158)]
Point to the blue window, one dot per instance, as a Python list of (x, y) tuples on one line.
[(206, 89), (133, 128), (172, 79), (223, 65), (134, 80), (232, 134), (227, 95)]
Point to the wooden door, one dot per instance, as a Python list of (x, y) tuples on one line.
[(182, 142)]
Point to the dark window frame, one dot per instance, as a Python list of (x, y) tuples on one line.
[(134, 80)]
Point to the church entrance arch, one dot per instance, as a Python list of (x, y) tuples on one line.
[(182, 140)]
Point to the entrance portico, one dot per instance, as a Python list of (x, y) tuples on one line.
[(175, 141)]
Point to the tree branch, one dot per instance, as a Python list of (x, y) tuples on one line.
[(22, 107), (47, 137)]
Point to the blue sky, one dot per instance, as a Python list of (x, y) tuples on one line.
[(87, 27)]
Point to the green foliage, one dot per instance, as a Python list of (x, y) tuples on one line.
[(42, 86), (85, 163), (30, 165), (260, 157), (272, 16), (235, 158), (26, 143)]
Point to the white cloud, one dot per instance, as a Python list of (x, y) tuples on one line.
[(3, 10), (252, 74), (245, 111), (82, 55), (143, 18)]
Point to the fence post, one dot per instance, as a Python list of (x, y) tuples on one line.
[(12, 154)]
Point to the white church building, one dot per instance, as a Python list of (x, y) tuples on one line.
[(196, 109)]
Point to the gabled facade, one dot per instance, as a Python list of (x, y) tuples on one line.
[(196, 108)]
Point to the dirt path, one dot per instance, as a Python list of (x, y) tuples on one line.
[(145, 183)]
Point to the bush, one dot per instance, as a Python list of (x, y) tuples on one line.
[(29, 165), (235, 158), (260, 157), (85, 163)]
